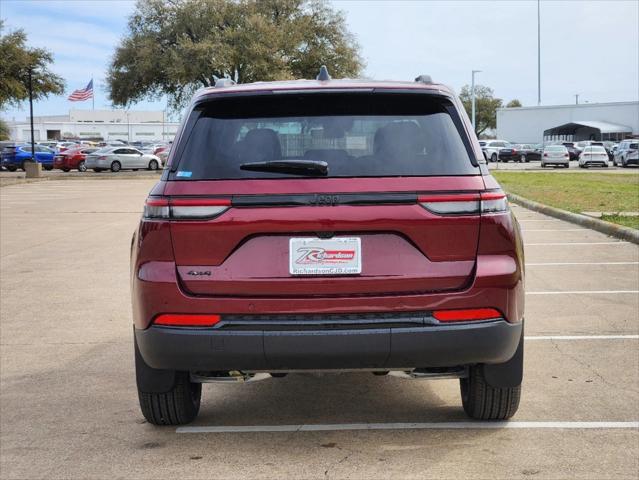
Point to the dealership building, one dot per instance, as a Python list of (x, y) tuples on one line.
[(587, 121), (104, 125)]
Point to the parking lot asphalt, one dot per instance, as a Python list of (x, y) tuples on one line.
[(68, 406), (535, 166)]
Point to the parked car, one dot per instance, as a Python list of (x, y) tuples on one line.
[(271, 247), (163, 153), (73, 159), (492, 147), (49, 144), (593, 156), (573, 151), (556, 155), (62, 146), (627, 153), (522, 152), (119, 158), (13, 157)]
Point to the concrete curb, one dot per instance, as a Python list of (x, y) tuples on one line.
[(617, 231)]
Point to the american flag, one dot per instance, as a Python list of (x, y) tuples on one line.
[(82, 94)]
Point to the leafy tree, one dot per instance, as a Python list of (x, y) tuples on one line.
[(513, 103), (4, 130), (15, 60), (174, 47), (486, 106)]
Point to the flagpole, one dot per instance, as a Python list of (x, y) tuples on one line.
[(93, 94)]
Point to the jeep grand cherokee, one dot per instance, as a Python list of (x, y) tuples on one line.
[(326, 225)]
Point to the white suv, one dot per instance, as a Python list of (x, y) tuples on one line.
[(492, 147), (627, 153)]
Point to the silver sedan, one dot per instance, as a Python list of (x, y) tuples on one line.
[(118, 158)]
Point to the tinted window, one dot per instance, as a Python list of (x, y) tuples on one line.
[(357, 135), (556, 148)]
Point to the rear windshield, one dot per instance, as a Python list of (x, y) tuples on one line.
[(595, 149), (357, 135), (556, 148)]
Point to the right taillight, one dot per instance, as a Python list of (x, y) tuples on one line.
[(185, 208), (494, 202), (465, 204)]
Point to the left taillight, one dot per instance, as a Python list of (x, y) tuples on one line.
[(465, 204), (155, 208), (185, 208)]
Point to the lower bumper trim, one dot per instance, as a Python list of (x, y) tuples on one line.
[(192, 350)]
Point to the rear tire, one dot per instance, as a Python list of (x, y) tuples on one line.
[(178, 406), (116, 166), (153, 165), (82, 167), (483, 402), (66, 169), (48, 167), (12, 168), (493, 158)]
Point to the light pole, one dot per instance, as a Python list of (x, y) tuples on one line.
[(538, 53), (576, 99), (472, 95), (33, 157)]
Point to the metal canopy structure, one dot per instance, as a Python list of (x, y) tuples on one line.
[(588, 130)]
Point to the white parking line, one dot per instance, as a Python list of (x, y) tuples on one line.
[(406, 426), (540, 220), (549, 264), (582, 337), (576, 243), (525, 230), (583, 292)]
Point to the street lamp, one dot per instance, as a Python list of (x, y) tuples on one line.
[(472, 95), (538, 52), (33, 158)]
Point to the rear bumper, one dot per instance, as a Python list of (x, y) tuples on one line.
[(441, 345)]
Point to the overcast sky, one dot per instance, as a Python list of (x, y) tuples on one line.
[(588, 47)]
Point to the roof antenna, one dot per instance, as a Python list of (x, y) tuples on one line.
[(323, 75)]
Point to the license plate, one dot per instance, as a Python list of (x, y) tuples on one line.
[(319, 256)]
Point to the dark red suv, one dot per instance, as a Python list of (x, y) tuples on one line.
[(321, 226)]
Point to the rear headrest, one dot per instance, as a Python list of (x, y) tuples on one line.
[(398, 138), (261, 145)]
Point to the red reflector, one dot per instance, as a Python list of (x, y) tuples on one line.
[(201, 202), (465, 315), (182, 320)]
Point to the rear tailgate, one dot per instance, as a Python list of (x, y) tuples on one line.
[(404, 247), (341, 165)]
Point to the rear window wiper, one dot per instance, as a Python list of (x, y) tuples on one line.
[(294, 167)]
